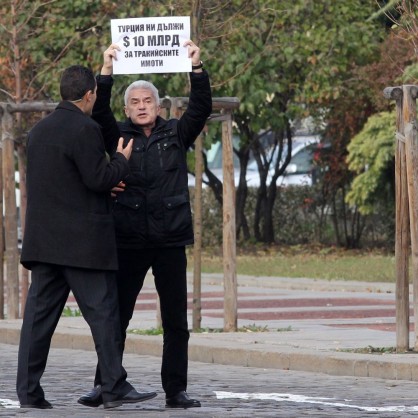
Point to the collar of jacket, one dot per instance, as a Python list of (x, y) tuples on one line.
[(65, 104), (129, 127)]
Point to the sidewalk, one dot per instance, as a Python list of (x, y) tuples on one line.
[(312, 325)]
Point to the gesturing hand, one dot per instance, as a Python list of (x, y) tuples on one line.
[(120, 187), (127, 151)]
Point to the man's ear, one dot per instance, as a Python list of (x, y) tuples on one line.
[(88, 95), (126, 111)]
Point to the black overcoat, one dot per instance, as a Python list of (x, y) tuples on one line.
[(68, 217)]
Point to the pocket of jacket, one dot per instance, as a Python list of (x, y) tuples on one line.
[(170, 153), (129, 201), (136, 162), (177, 214), (129, 217)]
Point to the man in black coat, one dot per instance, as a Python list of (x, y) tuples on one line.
[(69, 241), (152, 215)]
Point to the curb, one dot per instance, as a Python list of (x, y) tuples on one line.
[(203, 348)]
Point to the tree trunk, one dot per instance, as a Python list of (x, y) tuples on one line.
[(242, 194), (259, 211), (2, 288), (10, 218), (269, 235), (21, 158), (335, 220)]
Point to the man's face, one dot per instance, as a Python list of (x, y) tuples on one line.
[(142, 107)]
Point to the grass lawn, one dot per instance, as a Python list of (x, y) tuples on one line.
[(311, 262)]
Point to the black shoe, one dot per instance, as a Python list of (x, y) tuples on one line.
[(92, 398), (43, 404), (181, 400), (131, 397)]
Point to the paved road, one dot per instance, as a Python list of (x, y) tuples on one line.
[(225, 391)]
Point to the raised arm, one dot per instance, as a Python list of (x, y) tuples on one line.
[(200, 100), (102, 112)]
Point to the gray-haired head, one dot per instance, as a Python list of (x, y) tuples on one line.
[(145, 85)]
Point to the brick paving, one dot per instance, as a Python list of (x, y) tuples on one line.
[(224, 390), (308, 325)]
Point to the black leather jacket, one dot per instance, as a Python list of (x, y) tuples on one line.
[(154, 210)]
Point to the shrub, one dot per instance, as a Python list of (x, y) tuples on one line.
[(300, 217)]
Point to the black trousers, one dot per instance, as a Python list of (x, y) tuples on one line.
[(96, 295), (169, 270)]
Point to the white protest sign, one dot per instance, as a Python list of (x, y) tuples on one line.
[(151, 45)]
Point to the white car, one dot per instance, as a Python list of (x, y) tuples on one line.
[(298, 171)]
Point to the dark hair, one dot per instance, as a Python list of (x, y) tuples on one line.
[(76, 81)]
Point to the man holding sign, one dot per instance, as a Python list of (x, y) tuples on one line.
[(152, 210)]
